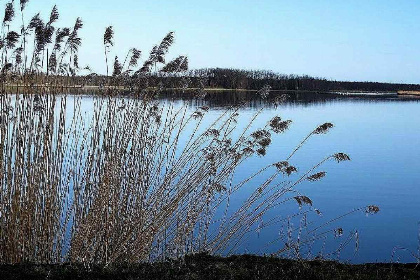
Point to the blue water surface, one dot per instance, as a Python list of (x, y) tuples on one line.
[(382, 137)]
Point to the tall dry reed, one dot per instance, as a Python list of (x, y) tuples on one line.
[(118, 186), (133, 180)]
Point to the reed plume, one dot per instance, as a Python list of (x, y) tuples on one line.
[(117, 67), (23, 4), (9, 13), (134, 57), (23, 33), (108, 42)]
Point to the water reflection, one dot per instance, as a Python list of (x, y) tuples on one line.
[(250, 99)]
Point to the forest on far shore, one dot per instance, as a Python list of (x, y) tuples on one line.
[(246, 79)]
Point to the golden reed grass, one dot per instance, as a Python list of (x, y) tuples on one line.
[(118, 186)]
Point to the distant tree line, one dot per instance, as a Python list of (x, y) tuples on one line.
[(247, 79), (256, 79)]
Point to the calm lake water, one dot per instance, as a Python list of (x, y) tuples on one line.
[(381, 134), (382, 137)]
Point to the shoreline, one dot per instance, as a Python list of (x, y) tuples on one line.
[(86, 88), (203, 266), (92, 87), (409, 92)]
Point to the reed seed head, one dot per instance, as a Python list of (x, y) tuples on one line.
[(280, 165), (338, 232), (316, 177), (323, 129), (289, 170), (261, 151), (339, 157), (262, 133), (279, 126), (303, 200), (371, 209), (109, 36)]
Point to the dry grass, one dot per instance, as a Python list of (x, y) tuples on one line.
[(118, 187)]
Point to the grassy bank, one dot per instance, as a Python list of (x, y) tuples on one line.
[(209, 267)]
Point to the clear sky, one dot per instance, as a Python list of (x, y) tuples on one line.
[(374, 40)]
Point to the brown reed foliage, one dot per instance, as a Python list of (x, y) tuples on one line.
[(118, 186), (53, 61)]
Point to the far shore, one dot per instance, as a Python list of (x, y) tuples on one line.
[(49, 87), (90, 87), (409, 92)]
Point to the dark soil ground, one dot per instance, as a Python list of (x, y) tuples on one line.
[(208, 267)]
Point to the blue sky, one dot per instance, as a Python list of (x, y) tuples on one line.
[(342, 40)]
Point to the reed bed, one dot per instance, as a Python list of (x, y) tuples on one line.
[(118, 186), (133, 180)]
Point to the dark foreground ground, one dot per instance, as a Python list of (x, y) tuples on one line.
[(208, 267)]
